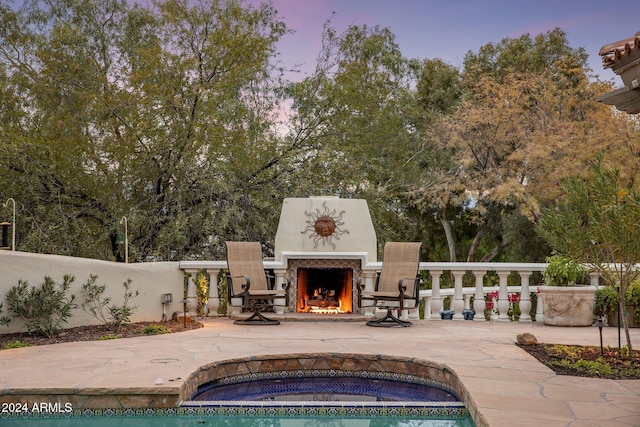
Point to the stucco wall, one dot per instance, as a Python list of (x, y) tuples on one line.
[(299, 217), (150, 279)]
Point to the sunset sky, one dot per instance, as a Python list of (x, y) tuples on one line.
[(448, 29)]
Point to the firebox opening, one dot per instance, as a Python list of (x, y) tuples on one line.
[(325, 290)]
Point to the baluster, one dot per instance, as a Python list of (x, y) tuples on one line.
[(368, 277), (457, 304), (214, 300), (279, 307), (503, 298), (427, 308), (539, 308), (467, 301), (436, 300), (192, 299), (525, 296), (479, 304)]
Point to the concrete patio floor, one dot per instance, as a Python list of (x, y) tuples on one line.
[(507, 386)]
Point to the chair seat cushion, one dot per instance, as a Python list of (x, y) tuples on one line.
[(381, 294), (267, 292)]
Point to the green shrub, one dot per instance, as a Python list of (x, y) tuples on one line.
[(632, 298), (94, 303), (16, 344), (42, 309), (563, 271), (606, 300), (155, 330)]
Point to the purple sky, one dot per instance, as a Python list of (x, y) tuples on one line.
[(448, 29)]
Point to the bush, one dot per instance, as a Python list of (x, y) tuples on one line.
[(42, 309), (606, 300), (563, 271), (94, 303)]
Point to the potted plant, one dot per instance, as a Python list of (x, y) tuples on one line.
[(566, 302), (563, 271), (606, 301)]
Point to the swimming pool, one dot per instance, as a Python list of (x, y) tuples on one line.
[(318, 389)]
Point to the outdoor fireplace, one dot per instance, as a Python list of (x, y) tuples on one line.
[(325, 290), (324, 243)]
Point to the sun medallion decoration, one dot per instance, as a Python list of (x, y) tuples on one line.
[(324, 226)]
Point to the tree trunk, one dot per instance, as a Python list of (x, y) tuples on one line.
[(447, 231), (496, 250), (624, 320), (471, 256)]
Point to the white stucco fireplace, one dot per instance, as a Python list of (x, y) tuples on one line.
[(324, 244)]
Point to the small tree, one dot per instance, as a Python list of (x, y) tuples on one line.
[(44, 309), (597, 222)]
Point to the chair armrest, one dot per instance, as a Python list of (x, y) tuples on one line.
[(416, 288), (245, 286)]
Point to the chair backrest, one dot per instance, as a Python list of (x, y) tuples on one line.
[(245, 259), (401, 261)]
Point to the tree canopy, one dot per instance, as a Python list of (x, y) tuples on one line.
[(177, 116)]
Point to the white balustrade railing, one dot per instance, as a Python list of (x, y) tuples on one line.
[(459, 295), (462, 295)]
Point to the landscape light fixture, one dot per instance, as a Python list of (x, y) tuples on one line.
[(184, 312), (13, 223), (166, 299), (600, 324)]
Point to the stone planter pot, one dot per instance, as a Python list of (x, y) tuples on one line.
[(568, 305), (612, 318)]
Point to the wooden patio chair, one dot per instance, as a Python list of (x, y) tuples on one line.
[(397, 285), (248, 280)]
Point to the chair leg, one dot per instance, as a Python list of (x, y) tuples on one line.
[(257, 318), (389, 321)]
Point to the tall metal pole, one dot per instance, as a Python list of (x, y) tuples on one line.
[(13, 223), (126, 239)]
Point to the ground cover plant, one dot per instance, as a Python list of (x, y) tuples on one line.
[(95, 333), (586, 361)]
